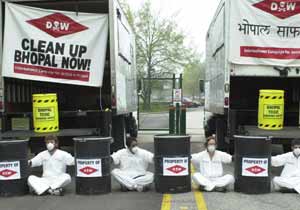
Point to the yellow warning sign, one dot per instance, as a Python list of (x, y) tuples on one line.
[(45, 113), (273, 111)]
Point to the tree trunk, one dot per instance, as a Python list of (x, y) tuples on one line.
[(148, 91)]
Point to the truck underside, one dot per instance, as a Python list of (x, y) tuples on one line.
[(242, 116), (83, 111)]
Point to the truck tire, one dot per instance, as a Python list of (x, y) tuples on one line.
[(131, 126), (210, 127), (220, 134), (286, 147), (118, 132)]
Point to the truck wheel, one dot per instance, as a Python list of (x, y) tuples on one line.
[(133, 129), (220, 134), (286, 147), (118, 132), (131, 126), (210, 126)]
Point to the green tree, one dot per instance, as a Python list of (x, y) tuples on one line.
[(160, 46), (193, 72)]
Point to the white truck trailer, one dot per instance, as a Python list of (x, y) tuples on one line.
[(82, 50), (252, 45)]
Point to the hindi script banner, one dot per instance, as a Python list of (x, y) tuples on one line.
[(265, 32)]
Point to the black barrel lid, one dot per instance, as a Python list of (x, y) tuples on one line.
[(12, 140), (92, 138), (168, 136), (253, 137)]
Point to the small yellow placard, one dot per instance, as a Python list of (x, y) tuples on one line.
[(44, 113), (273, 111)]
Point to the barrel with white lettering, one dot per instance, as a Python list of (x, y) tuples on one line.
[(92, 165), (13, 167), (172, 163), (252, 164)]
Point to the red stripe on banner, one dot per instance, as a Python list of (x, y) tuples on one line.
[(51, 72), (270, 52)]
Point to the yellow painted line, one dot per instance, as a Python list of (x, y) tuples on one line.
[(166, 202), (201, 205)]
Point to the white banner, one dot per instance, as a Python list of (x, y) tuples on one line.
[(256, 167), (10, 170), (54, 46), (265, 32), (89, 167), (176, 166)]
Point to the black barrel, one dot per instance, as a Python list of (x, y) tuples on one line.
[(92, 165), (252, 164), (13, 167), (172, 163)]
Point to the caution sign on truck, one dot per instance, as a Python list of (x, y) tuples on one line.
[(56, 46), (273, 111)]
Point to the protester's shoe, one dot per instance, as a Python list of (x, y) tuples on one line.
[(201, 188), (58, 191), (146, 188), (220, 189), (209, 188), (140, 188), (32, 191), (124, 189), (286, 190)]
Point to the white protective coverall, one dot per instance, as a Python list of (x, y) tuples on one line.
[(54, 171), (133, 168), (209, 172), (290, 175)]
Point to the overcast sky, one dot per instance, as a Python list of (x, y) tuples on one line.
[(194, 16)]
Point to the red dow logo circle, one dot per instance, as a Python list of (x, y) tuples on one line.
[(88, 170), (176, 169), (7, 173), (280, 8), (57, 25), (255, 169)]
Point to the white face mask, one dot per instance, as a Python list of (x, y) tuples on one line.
[(50, 146), (297, 151), (134, 150), (211, 148)]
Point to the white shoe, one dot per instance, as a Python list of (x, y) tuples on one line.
[(209, 188), (140, 188), (58, 191)]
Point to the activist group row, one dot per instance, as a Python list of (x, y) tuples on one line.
[(131, 170)]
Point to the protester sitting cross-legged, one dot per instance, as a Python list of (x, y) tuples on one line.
[(289, 180), (209, 169), (54, 162), (133, 162)]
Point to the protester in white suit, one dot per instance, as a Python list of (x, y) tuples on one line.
[(54, 162), (290, 175), (209, 168), (133, 163)]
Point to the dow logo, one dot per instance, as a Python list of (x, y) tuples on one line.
[(176, 169), (7, 173), (280, 8), (57, 25)]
